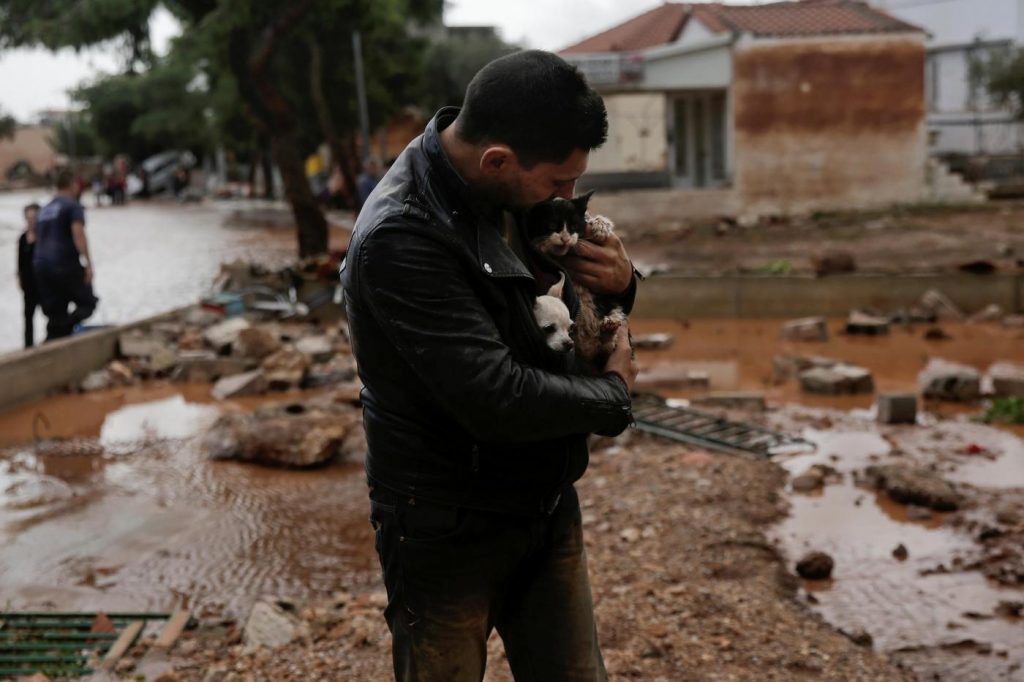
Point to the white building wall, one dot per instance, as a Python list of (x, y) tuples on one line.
[(636, 135)]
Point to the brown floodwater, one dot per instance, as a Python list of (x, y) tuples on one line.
[(130, 515)]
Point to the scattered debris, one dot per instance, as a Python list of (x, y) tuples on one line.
[(896, 408), (945, 380), (938, 303), (1007, 379), (285, 369), (860, 322), (273, 623), (838, 379), (990, 313), (734, 400), (900, 553), (237, 385), (222, 336), (815, 566), (256, 342), (806, 329), (916, 486), (673, 376)]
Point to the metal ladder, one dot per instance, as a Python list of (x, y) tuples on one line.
[(682, 424)]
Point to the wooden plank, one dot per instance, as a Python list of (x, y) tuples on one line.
[(128, 636), (170, 633)]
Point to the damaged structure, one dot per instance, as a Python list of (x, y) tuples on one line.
[(786, 107)]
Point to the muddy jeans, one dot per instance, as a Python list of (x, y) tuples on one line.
[(453, 575)]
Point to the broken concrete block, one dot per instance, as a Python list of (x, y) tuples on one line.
[(318, 348), (806, 329), (205, 366), (96, 381), (256, 343), (222, 335), (944, 380), (659, 341), (990, 313), (897, 408), (1007, 379), (285, 369), (337, 370), (869, 325), (247, 383), (837, 380), (273, 623), (915, 486), (937, 302), (139, 344), (673, 376), (163, 360), (786, 366)]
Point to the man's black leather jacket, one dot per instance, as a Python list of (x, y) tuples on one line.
[(463, 402)]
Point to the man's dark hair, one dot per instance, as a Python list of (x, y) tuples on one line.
[(30, 207), (537, 104), (64, 179)]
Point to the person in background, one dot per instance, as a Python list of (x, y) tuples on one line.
[(367, 180), (26, 275), (61, 261)]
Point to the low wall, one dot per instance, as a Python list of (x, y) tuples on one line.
[(33, 373), (751, 296)]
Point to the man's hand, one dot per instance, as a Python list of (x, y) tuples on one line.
[(622, 361), (602, 268)]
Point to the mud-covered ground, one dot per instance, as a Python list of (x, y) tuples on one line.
[(922, 239)]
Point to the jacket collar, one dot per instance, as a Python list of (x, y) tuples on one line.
[(496, 257)]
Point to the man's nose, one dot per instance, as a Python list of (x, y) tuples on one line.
[(566, 192)]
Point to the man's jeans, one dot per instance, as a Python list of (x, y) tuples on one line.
[(452, 575)]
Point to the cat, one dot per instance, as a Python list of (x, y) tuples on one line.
[(553, 228)]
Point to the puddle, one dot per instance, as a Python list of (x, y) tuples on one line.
[(901, 602), (131, 516)]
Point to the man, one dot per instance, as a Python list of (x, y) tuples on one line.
[(26, 276), (475, 434), (61, 261)]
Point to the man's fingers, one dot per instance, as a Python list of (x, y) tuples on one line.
[(582, 266), (587, 250)]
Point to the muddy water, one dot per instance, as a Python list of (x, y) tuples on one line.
[(149, 256), (135, 517), (737, 354), (946, 622)]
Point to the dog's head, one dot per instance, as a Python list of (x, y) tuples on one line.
[(554, 319)]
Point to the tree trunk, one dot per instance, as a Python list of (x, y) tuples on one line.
[(273, 111), (267, 161)]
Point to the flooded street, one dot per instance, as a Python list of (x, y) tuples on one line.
[(149, 256)]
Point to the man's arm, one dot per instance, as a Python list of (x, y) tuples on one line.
[(82, 244), (422, 298)]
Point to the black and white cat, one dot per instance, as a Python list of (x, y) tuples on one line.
[(553, 228)]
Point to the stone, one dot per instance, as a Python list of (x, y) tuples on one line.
[(896, 408), (938, 303), (863, 323), (285, 369), (256, 343), (273, 623), (238, 385), (163, 360), (205, 366), (318, 348), (944, 380), (900, 552), (1007, 379), (97, 381), (990, 313), (201, 317), (338, 370), (808, 482), (293, 435), (859, 636), (806, 329), (223, 335), (837, 380), (737, 400), (786, 366), (1008, 516), (815, 566), (915, 486), (659, 341), (139, 344)]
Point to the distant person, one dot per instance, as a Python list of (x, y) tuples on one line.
[(26, 274), (367, 180), (61, 261), (97, 188)]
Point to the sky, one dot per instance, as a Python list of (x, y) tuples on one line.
[(34, 80)]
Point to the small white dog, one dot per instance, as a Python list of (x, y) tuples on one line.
[(553, 318)]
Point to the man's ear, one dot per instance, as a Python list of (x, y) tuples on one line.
[(556, 289), (581, 201), (496, 159)]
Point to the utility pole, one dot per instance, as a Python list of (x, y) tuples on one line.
[(364, 116)]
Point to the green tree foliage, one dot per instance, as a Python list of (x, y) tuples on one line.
[(8, 126), (453, 59), (1001, 73)]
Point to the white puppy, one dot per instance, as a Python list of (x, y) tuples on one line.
[(553, 318)]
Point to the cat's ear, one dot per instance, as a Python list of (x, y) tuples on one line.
[(581, 201), (556, 289)]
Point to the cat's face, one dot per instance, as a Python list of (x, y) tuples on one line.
[(553, 227)]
